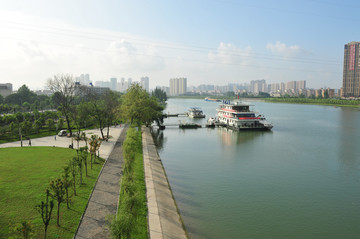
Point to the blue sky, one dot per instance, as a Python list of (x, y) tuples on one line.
[(209, 42)]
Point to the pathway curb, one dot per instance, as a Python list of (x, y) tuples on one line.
[(164, 220)]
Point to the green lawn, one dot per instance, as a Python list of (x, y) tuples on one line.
[(24, 175)]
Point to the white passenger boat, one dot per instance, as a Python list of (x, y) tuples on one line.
[(196, 112), (238, 116)]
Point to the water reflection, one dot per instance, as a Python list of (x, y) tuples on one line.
[(159, 139), (233, 137)]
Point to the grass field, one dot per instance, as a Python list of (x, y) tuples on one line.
[(24, 175)]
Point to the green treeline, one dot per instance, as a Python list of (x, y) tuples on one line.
[(294, 100)]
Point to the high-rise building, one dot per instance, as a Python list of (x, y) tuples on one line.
[(144, 82), (178, 86), (301, 84), (351, 73), (113, 83)]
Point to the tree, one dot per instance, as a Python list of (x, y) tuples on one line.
[(159, 94), (80, 115), (84, 156), (97, 105), (57, 192), (94, 144), (138, 107), (78, 161), (26, 95), (63, 87), (67, 182), (50, 123), (24, 230), (111, 104), (73, 170), (45, 209)]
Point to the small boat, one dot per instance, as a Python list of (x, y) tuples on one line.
[(210, 99), (211, 123), (196, 112)]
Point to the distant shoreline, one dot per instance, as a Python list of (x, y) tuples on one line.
[(303, 101)]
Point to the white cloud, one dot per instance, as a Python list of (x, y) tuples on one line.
[(228, 53), (284, 50)]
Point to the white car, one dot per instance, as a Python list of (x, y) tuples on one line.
[(62, 133)]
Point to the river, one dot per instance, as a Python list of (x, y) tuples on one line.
[(300, 180)]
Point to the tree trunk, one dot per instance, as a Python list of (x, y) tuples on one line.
[(85, 162), (74, 185), (108, 129), (68, 122), (45, 231), (91, 157), (58, 215), (102, 133), (80, 175), (67, 198)]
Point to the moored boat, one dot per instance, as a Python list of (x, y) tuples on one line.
[(210, 99), (196, 112), (238, 116)]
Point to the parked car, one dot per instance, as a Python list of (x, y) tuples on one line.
[(62, 133)]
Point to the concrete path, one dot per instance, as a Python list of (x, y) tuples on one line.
[(105, 196), (163, 217), (64, 142)]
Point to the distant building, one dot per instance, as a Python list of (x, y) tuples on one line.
[(6, 89), (84, 89), (144, 82), (257, 86), (113, 83), (178, 86), (351, 73), (83, 79), (301, 85)]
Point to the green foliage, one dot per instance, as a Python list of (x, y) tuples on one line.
[(67, 182), (58, 193), (159, 94), (23, 230), (131, 222), (139, 108)]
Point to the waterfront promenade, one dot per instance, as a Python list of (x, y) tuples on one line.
[(163, 217)]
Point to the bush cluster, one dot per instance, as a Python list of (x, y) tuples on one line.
[(130, 204)]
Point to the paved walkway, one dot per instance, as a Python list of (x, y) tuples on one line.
[(163, 217), (105, 196)]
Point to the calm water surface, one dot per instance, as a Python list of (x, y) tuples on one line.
[(302, 180)]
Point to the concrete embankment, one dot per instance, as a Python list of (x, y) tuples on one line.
[(163, 217)]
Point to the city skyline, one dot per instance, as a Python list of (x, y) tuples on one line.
[(217, 42)]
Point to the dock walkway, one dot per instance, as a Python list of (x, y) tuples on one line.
[(163, 217)]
